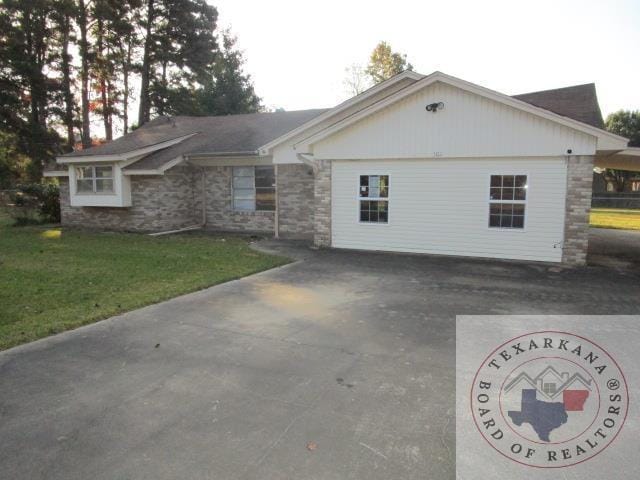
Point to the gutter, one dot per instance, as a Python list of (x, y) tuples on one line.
[(276, 220), (247, 153)]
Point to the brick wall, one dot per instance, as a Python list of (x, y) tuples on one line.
[(220, 213), (577, 208), (159, 202), (322, 205), (295, 201), (174, 200)]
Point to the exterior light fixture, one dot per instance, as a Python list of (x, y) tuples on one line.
[(434, 107)]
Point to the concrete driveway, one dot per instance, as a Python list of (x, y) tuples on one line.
[(339, 366)]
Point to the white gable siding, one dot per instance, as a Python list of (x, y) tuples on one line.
[(285, 153), (442, 207), (468, 126)]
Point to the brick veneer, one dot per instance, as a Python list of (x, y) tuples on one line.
[(322, 204), (577, 208), (220, 212), (295, 201), (159, 202)]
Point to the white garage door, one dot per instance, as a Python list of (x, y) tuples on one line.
[(501, 208)]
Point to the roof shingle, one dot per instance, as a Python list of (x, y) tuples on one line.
[(578, 102)]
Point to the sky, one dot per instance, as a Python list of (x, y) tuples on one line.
[(297, 51)]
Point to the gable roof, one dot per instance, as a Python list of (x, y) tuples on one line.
[(199, 135), (579, 102), (165, 139), (615, 142)]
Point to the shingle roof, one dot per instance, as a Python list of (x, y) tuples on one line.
[(219, 134), (578, 102), (248, 132)]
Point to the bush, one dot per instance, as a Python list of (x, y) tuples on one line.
[(35, 203)]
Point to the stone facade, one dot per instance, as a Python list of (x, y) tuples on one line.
[(322, 204), (295, 201), (577, 208), (220, 212), (159, 202)]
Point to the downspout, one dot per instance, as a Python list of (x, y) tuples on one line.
[(203, 222), (204, 198), (307, 159), (276, 220)]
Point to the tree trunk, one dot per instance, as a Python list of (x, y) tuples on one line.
[(125, 93), (66, 81), (102, 80), (84, 73), (144, 113)]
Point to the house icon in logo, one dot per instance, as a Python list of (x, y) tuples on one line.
[(549, 383)]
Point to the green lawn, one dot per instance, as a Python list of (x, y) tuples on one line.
[(50, 282), (615, 218)]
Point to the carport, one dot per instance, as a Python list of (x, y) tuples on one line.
[(628, 159), (616, 248)]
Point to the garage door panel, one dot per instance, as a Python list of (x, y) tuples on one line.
[(442, 206)]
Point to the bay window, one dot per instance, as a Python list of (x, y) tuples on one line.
[(94, 179)]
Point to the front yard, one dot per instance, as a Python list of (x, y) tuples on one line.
[(53, 280), (615, 218)]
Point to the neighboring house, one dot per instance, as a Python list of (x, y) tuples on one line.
[(426, 164)]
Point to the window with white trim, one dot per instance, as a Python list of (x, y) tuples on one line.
[(254, 188), (507, 201), (373, 196), (94, 179)]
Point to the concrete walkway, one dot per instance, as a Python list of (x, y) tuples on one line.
[(338, 366)]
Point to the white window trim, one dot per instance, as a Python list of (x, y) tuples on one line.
[(94, 178), (383, 199), (255, 191), (523, 202)]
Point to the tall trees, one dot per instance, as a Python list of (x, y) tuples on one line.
[(82, 18), (230, 90), (180, 51), (71, 66), (25, 54), (64, 10)]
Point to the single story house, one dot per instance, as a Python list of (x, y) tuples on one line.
[(427, 164)]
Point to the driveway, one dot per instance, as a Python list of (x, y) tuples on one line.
[(618, 249), (338, 366)]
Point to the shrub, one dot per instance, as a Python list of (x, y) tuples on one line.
[(35, 203)]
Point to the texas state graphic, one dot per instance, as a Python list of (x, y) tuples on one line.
[(543, 416)]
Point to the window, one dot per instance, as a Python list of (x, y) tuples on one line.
[(94, 179), (254, 188), (374, 198), (549, 388), (507, 201)]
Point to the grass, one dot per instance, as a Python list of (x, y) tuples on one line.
[(615, 218), (54, 280)]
